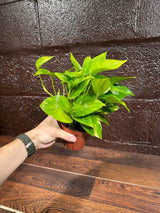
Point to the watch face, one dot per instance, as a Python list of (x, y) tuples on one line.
[(29, 144)]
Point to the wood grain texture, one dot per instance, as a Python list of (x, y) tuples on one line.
[(92, 153), (32, 199), (113, 171), (66, 163), (92, 180), (107, 155), (131, 174), (140, 199), (58, 181), (5, 210)]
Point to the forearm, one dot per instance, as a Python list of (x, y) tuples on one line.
[(11, 156), (43, 136)]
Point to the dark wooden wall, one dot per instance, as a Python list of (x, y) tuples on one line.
[(126, 29)]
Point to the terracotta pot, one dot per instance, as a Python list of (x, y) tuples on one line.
[(81, 139)]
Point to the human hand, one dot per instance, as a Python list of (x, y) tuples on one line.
[(45, 134)]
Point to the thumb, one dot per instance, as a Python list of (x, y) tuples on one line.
[(66, 136)]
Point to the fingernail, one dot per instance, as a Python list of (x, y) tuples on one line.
[(73, 139)]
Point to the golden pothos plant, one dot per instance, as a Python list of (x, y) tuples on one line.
[(87, 96)]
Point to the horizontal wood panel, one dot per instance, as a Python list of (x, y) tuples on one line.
[(57, 152), (71, 164), (108, 155), (131, 174), (114, 171), (54, 180), (48, 184), (135, 198), (33, 199)]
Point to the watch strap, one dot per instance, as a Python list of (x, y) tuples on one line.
[(30, 147)]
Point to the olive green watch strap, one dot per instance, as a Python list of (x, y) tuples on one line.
[(30, 147)]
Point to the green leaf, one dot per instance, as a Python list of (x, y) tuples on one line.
[(75, 81), (86, 65), (93, 121), (97, 128), (99, 64), (121, 91), (103, 119), (109, 108), (72, 74), (100, 76), (100, 86), (42, 60), (75, 63), (112, 99), (116, 79), (109, 64), (88, 129), (88, 62), (79, 88), (86, 120), (58, 107), (63, 77), (101, 57), (44, 72), (85, 105)]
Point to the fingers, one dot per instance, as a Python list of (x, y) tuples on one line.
[(66, 136), (51, 126)]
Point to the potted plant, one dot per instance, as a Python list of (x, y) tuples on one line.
[(86, 97)]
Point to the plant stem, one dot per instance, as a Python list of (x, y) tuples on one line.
[(66, 89), (63, 89), (69, 93), (53, 86), (44, 86), (86, 90)]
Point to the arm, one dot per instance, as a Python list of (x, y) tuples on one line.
[(43, 136)]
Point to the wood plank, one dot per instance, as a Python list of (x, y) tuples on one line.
[(125, 173), (131, 174), (118, 172), (109, 155), (129, 196), (29, 199), (66, 163), (69, 175), (100, 154), (58, 181)]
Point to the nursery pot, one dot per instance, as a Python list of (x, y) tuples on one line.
[(81, 138)]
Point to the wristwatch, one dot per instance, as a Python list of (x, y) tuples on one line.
[(30, 147)]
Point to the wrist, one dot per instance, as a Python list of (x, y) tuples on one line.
[(33, 135), (29, 145)]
